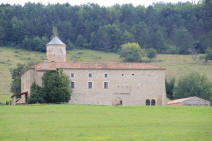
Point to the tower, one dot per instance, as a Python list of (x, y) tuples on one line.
[(56, 50)]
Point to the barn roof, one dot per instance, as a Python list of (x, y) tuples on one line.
[(97, 65), (56, 41), (179, 100)]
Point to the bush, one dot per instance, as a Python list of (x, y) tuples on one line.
[(37, 94), (151, 53), (194, 84), (170, 88), (208, 54), (131, 52)]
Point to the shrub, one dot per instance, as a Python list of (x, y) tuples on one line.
[(37, 94), (151, 53), (131, 52), (170, 88)]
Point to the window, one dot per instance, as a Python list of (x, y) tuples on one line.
[(147, 102), (90, 85), (72, 74), (153, 102), (122, 74), (90, 74), (72, 85), (105, 85), (106, 75)]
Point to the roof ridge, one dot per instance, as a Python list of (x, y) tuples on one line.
[(56, 41)]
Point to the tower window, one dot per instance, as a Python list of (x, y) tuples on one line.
[(90, 85), (147, 102), (105, 85), (90, 75), (72, 85)]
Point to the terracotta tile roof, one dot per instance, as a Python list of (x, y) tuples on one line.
[(96, 65), (179, 100)]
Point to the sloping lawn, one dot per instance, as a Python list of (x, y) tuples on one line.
[(104, 123)]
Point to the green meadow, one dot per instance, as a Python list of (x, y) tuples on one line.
[(176, 65), (104, 123)]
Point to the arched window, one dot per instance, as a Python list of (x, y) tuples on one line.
[(153, 102), (147, 102)]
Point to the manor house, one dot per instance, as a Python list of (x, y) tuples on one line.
[(105, 83)]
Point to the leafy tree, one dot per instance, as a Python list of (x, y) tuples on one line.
[(208, 54), (56, 86), (151, 53), (131, 52), (15, 86), (37, 94), (194, 84), (170, 88)]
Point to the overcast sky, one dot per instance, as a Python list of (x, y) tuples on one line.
[(100, 2)]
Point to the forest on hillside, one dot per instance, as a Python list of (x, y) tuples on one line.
[(168, 28)]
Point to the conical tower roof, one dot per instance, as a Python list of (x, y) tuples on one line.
[(55, 41)]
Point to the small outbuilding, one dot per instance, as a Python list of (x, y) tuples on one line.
[(19, 98), (189, 101)]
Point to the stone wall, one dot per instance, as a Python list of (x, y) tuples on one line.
[(133, 87)]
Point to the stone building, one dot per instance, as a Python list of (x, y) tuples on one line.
[(106, 83), (189, 101)]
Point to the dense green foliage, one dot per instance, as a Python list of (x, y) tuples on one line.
[(37, 94), (131, 52), (208, 54), (151, 53), (105, 123), (168, 28), (56, 86), (194, 84), (15, 86), (170, 88)]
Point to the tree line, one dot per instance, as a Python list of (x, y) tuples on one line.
[(168, 28)]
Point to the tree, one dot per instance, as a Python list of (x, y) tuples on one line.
[(208, 54), (37, 94), (151, 53), (131, 52), (15, 86), (170, 88), (56, 86), (194, 84)]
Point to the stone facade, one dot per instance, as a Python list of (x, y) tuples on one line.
[(112, 83), (132, 87)]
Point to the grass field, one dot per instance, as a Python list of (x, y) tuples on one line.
[(176, 65), (104, 123)]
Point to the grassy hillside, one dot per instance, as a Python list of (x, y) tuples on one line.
[(104, 123), (176, 65)]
